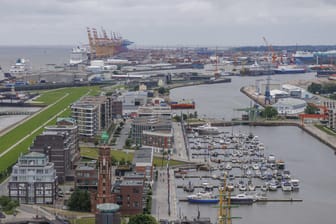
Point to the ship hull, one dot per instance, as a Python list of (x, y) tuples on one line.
[(289, 71), (203, 201), (248, 201)]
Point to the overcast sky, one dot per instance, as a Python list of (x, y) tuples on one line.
[(170, 22)]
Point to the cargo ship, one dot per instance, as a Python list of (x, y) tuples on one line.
[(183, 104)]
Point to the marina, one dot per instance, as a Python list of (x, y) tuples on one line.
[(297, 148), (244, 161)]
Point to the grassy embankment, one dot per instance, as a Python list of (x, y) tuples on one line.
[(325, 129), (119, 155), (84, 221), (48, 97)]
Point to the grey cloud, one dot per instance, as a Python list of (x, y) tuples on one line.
[(216, 22)]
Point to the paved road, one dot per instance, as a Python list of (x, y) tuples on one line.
[(160, 205), (179, 144), (123, 134)]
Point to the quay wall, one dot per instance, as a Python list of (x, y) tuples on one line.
[(310, 129), (257, 99)]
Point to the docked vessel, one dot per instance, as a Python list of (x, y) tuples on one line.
[(189, 187), (295, 184), (20, 68), (183, 104), (289, 69), (242, 199), (257, 69), (79, 55), (206, 129), (203, 198), (286, 186), (303, 56)]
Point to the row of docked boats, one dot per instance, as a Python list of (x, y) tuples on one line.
[(205, 197), (244, 161)]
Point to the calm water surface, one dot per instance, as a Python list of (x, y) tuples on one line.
[(308, 159)]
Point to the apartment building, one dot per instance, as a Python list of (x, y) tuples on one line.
[(33, 180)]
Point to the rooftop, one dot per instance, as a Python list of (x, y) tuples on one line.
[(108, 207), (34, 155), (290, 101), (143, 155), (131, 183), (67, 119)]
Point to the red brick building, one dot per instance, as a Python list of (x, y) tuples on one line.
[(130, 197), (103, 194)]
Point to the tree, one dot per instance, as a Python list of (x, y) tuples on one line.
[(80, 201), (8, 205), (315, 88), (128, 143), (141, 219), (122, 161), (162, 90), (177, 118), (269, 112), (311, 110), (185, 117)]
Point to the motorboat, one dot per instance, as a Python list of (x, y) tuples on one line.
[(272, 186), (280, 164), (242, 199), (206, 129), (207, 186), (271, 159), (203, 198), (228, 166), (230, 186), (286, 186), (295, 184), (189, 187), (242, 187), (286, 174), (251, 187), (264, 187), (255, 166)]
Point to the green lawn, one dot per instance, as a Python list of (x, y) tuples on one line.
[(84, 221), (118, 155), (26, 128)]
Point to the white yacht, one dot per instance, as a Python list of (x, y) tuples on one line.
[(286, 186), (295, 184), (206, 129)]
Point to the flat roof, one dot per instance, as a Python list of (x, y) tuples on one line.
[(143, 155), (131, 183), (108, 207)]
